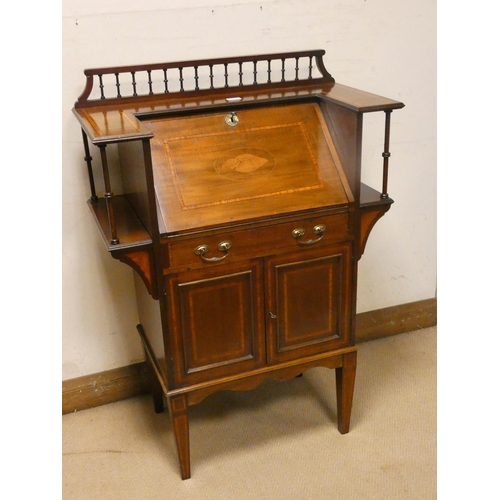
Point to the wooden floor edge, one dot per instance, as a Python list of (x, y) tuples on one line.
[(121, 383)]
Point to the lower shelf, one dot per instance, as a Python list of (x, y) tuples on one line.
[(130, 231)]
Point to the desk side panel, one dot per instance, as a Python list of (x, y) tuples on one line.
[(345, 127)]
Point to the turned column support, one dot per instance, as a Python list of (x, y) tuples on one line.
[(386, 154), (88, 160), (108, 195)]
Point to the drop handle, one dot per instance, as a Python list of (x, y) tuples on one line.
[(223, 246), (272, 315), (319, 229)]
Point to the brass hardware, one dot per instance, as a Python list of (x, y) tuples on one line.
[(223, 246), (232, 120), (319, 229), (273, 316)]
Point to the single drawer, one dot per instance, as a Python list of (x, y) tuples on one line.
[(232, 246)]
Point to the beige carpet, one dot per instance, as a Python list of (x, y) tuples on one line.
[(279, 441)]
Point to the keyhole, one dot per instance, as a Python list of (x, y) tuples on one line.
[(231, 119)]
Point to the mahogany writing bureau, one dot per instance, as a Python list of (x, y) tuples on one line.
[(238, 203)]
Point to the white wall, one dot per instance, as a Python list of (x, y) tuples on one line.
[(387, 47)]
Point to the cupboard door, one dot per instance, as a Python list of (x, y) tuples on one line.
[(308, 302), (216, 322)]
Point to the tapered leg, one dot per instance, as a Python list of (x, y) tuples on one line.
[(178, 406), (345, 376)]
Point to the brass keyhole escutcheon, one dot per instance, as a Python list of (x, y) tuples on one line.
[(232, 120)]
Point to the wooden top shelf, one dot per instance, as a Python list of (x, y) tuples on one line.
[(121, 122), (114, 98)]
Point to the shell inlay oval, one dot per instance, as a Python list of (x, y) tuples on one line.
[(242, 163)]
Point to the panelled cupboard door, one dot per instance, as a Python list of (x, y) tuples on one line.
[(308, 302), (216, 321)]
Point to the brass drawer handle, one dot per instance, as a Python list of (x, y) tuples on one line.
[(299, 232), (223, 246)]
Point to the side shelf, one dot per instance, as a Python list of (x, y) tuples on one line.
[(371, 198), (372, 208), (135, 246), (129, 228)]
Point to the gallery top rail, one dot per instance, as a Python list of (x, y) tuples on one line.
[(168, 80)]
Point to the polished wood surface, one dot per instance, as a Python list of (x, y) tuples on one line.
[(243, 214), (305, 315), (120, 122), (216, 322), (208, 173), (272, 239)]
